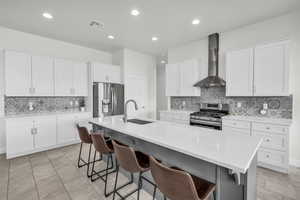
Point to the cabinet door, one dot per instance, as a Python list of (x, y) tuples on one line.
[(189, 75), (45, 135), (80, 79), (100, 72), (172, 80), (114, 74), (17, 74), (239, 73), (66, 130), (271, 70), (63, 70), (42, 76), (19, 136)]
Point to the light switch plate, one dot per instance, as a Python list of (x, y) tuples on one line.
[(239, 104)]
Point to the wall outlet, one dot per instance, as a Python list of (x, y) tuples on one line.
[(71, 103), (30, 106), (265, 106), (239, 104)]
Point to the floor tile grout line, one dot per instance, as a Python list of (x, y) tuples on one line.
[(35, 183), (59, 177)]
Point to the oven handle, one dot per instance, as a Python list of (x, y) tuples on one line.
[(204, 122)]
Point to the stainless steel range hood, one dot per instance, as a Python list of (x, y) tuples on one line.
[(213, 79)]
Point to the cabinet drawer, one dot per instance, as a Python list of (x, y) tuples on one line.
[(227, 129), (236, 124), (277, 142), (270, 128), (272, 157)]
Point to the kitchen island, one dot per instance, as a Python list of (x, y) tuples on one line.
[(228, 160)]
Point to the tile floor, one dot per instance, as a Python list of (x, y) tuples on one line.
[(53, 175)]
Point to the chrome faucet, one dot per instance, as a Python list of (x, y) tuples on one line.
[(125, 108)]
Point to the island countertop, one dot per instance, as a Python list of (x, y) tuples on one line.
[(232, 151)]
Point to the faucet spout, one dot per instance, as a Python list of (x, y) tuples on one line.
[(125, 108)]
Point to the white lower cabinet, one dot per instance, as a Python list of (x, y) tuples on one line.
[(26, 135), (274, 150), (66, 127)]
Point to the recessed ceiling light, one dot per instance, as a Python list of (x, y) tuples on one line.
[(163, 62), (154, 38), (135, 12), (196, 21), (111, 37), (47, 15)]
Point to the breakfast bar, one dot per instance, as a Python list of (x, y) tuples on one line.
[(227, 160)]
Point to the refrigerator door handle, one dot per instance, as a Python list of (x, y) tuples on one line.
[(112, 100)]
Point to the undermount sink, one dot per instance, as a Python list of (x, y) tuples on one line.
[(139, 121)]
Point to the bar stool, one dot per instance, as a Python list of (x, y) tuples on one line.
[(85, 138), (133, 162), (177, 184)]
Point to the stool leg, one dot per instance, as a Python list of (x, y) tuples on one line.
[(165, 198), (89, 161), (139, 185), (116, 181), (79, 156), (154, 193), (93, 166)]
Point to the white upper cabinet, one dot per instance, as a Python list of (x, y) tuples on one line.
[(17, 74), (106, 73), (239, 73), (189, 75), (271, 70), (259, 71), (172, 80), (181, 77), (70, 78), (42, 76), (80, 79), (63, 77)]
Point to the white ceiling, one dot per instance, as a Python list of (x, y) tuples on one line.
[(170, 20)]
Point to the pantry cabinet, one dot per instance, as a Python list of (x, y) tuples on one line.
[(181, 77), (259, 71), (106, 73)]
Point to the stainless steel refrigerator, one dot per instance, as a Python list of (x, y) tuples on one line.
[(108, 99)]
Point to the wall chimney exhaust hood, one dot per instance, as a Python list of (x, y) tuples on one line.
[(213, 79)]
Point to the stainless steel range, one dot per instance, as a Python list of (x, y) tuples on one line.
[(209, 116)]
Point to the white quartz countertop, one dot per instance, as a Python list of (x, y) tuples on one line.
[(232, 151), (278, 121), (177, 111)]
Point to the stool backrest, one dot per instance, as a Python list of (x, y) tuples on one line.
[(100, 144), (174, 183), (126, 157), (84, 134)]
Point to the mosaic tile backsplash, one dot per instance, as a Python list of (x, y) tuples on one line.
[(278, 107), (40, 105)]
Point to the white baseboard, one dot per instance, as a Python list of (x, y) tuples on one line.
[(295, 163), (2, 150)]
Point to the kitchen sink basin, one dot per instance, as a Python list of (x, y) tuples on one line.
[(139, 121)]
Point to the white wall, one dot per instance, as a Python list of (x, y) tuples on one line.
[(37, 45), (139, 76), (279, 28)]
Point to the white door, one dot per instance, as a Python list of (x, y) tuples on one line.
[(17, 74), (136, 88), (189, 75), (63, 70), (271, 70), (66, 130), (80, 79), (45, 135), (172, 80), (100, 72), (42, 76), (239, 73), (19, 135)]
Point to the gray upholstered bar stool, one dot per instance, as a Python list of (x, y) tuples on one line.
[(177, 184), (85, 138), (133, 162)]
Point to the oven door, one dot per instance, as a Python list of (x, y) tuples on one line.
[(206, 124)]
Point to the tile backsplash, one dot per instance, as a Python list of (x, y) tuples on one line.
[(39, 105), (278, 107)]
